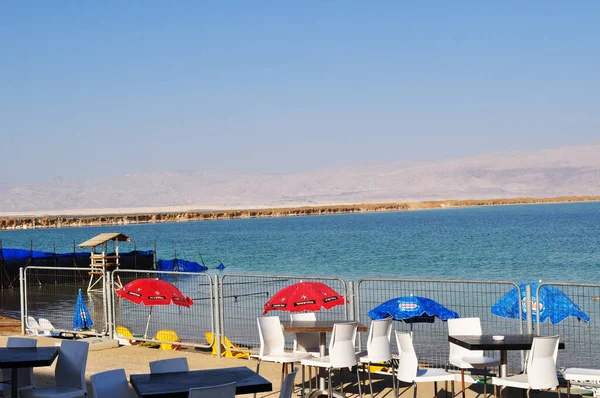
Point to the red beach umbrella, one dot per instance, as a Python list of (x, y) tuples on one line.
[(304, 296), (151, 292)]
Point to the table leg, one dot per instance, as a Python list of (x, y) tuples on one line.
[(14, 388), (503, 363)]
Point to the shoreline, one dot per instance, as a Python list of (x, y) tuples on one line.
[(43, 222)]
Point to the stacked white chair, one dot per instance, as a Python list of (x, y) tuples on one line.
[(540, 373), (48, 328), (288, 385), (33, 327), (378, 346), (221, 391), (25, 375), (169, 365), (272, 344), (342, 353), (463, 358), (111, 384), (408, 367), (69, 373)]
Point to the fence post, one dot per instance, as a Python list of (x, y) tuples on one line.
[(108, 304), (351, 298), (528, 309), (22, 294), (217, 316)]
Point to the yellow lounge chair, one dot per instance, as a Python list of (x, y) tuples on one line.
[(228, 349), (127, 335), (168, 335)]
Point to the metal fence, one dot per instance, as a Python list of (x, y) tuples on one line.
[(242, 299), (189, 325), (47, 291), (582, 339), (467, 298)]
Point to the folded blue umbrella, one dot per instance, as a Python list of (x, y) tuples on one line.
[(553, 304), (81, 318), (412, 309)]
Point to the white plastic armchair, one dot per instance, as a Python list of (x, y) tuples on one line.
[(541, 369), (409, 371), (111, 384), (378, 346), (221, 391), (25, 375), (69, 373), (169, 365), (463, 358)]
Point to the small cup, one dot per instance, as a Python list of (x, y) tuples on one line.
[(498, 338)]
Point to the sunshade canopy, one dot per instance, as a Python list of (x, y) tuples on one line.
[(103, 238), (304, 296), (412, 309)]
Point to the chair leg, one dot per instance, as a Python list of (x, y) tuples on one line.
[(257, 369), (330, 393), (558, 391), (358, 383), (435, 390), (370, 381), (342, 379), (302, 385), (484, 382), (568, 389), (415, 393), (528, 391), (393, 378), (462, 379), (452, 382), (282, 371), (310, 378)]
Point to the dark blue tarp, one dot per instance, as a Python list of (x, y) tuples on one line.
[(21, 254), (180, 265)]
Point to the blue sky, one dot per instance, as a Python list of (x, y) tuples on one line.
[(95, 89)]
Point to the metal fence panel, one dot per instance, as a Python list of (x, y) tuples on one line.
[(189, 324), (51, 293), (242, 299), (467, 298), (582, 339)]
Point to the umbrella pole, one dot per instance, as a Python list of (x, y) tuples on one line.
[(148, 324)]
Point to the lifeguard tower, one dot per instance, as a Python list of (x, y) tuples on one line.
[(102, 261)]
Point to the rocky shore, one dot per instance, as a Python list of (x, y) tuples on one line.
[(9, 223)]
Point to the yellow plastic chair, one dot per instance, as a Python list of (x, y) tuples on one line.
[(168, 335), (125, 333), (229, 350)]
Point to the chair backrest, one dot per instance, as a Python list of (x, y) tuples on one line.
[(288, 385), (25, 375), (110, 384), (304, 342), (33, 323), (408, 363), (541, 363), (378, 342), (71, 363), (464, 327), (45, 324), (169, 365), (123, 331), (342, 353), (221, 391), (272, 341)]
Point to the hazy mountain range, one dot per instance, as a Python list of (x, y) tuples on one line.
[(564, 171)]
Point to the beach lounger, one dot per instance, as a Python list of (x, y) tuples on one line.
[(33, 327), (168, 335), (48, 328), (125, 337), (228, 349)]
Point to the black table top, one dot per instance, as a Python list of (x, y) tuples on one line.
[(178, 384), (486, 342), (27, 357)]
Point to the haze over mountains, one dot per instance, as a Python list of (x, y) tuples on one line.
[(567, 171)]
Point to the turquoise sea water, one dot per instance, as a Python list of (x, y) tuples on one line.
[(557, 242)]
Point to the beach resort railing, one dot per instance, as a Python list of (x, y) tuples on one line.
[(467, 298)]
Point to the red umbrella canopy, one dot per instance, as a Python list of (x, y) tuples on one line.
[(150, 292), (304, 296)]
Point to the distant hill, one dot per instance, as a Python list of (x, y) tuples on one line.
[(568, 171)]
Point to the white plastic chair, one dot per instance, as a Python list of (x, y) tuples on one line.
[(378, 346), (24, 375), (33, 327), (272, 344), (288, 385), (169, 365), (48, 328), (408, 367), (342, 353), (221, 391), (540, 373), (463, 358), (582, 377), (306, 342), (111, 384), (69, 374)]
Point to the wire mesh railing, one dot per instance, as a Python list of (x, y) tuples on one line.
[(467, 298), (242, 299), (165, 323), (50, 293)]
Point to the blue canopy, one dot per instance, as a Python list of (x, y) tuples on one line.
[(180, 265), (412, 309), (81, 319), (220, 266), (553, 304)]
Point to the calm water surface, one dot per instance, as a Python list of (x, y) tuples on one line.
[(557, 242)]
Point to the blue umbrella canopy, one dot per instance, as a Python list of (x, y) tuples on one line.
[(81, 318), (552, 304), (412, 309)]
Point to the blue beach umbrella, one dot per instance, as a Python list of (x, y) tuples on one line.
[(81, 318), (412, 309), (553, 304)]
